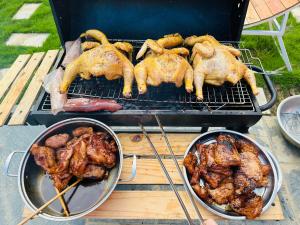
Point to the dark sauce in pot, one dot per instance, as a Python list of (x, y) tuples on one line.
[(78, 199)]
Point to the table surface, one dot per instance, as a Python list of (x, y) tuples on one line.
[(263, 10), (265, 132)]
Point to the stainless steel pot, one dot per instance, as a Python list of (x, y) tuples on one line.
[(288, 116), (266, 157), (36, 188)]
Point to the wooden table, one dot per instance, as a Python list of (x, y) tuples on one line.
[(260, 11), (148, 195)]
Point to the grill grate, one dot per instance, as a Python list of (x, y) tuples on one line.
[(167, 96)]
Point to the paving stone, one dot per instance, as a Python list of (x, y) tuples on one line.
[(28, 39), (26, 11), (296, 13), (284, 151), (291, 174)]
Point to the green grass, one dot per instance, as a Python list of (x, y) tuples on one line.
[(265, 48), (40, 22)]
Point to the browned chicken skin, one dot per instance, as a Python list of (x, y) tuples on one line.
[(224, 193), (248, 205), (72, 158), (229, 171), (104, 59), (215, 63), (163, 65), (226, 153)]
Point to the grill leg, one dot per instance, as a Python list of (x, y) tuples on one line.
[(204, 129), (242, 129)]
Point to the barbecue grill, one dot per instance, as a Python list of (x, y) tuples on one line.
[(134, 21)]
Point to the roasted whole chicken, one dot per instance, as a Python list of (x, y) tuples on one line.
[(215, 63), (101, 59), (163, 65), (230, 170), (85, 154)]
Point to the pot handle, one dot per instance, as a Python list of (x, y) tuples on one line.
[(133, 168), (278, 169), (7, 163)]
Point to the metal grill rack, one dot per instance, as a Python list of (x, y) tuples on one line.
[(167, 96)]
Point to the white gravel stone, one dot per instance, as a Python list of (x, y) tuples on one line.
[(29, 39), (26, 11)]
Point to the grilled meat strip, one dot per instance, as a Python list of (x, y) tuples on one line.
[(91, 105)]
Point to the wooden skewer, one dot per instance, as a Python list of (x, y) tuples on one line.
[(48, 203), (62, 202)]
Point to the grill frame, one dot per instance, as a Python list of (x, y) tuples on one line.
[(234, 119)]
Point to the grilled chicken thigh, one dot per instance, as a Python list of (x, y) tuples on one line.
[(163, 65), (215, 63), (104, 59)]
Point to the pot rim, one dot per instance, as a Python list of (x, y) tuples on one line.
[(21, 187), (275, 188)]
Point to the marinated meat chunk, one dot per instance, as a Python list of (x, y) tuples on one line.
[(63, 157), (250, 166), (245, 146), (81, 131), (101, 152), (94, 172), (226, 153), (190, 162), (195, 176), (208, 153), (248, 205), (213, 179), (242, 184), (44, 157), (201, 192), (57, 141), (79, 160), (61, 180), (224, 193)]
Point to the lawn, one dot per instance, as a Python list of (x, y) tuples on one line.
[(42, 21)]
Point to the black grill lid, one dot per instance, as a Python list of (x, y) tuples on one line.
[(142, 19)]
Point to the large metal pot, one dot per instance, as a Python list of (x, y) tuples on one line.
[(266, 157), (288, 116), (36, 188)]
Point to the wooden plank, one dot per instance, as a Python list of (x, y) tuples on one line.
[(148, 171), (252, 16), (179, 143), (261, 8), (23, 109), (289, 3), (12, 73), (18, 86), (275, 6), (158, 205)]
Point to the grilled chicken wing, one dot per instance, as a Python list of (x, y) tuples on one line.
[(103, 60), (163, 65), (215, 63), (79, 160)]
